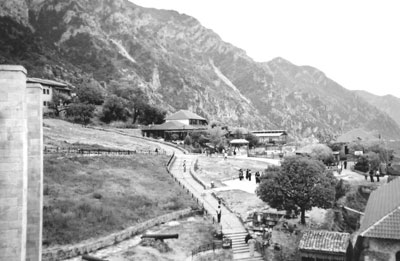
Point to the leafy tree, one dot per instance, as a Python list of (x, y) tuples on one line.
[(136, 98), (320, 152), (150, 114), (114, 109), (384, 154), (90, 93), (252, 139), (301, 183), (59, 102), (216, 136), (81, 112)]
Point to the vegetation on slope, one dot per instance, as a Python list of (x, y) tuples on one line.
[(89, 197)]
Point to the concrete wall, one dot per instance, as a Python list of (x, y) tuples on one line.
[(13, 163), (35, 172)]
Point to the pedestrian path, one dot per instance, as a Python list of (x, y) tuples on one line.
[(231, 225)]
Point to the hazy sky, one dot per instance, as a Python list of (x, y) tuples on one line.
[(354, 42)]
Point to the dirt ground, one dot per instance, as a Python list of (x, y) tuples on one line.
[(193, 232), (217, 169)]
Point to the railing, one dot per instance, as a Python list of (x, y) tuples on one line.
[(211, 246), (55, 150)]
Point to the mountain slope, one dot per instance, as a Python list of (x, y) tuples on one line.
[(387, 103), (179, 64)]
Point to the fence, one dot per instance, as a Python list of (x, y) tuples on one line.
[(55, 150), (211, 246)]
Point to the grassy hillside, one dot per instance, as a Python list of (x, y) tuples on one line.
[(88, 197)]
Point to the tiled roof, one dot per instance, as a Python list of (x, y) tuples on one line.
[(184, 115), (324, 241), (382, 214)]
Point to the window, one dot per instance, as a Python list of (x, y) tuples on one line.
[(48, 91), (398, 256), (44, 103), (44, 91)]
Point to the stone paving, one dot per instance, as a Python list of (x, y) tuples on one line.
[(230, 223)]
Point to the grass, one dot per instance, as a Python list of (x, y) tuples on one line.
[(87, 197)]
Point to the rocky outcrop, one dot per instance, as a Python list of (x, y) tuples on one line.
[(180, 64)]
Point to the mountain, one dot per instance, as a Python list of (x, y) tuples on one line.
[(179, 64), (387, 103)]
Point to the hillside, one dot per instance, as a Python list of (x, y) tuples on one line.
[(386, 103), (86, 197), (179, 64)]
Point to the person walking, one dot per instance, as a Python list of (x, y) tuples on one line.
[(252, 244), (219, 214), (184, 165), (249, 175)]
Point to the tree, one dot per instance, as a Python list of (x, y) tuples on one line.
[(81, 112), (114, 109), (149, 115), (319, 152), (252, 139), (137, 99), (90, 93), (301, 183), (216, 136), (59, 102)]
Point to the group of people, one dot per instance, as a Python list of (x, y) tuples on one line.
[(248, 174)]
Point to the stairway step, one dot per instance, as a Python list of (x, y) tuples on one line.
[(240, 251), (249, 259)]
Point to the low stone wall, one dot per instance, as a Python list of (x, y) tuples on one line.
[(87, 246), (192, 172)]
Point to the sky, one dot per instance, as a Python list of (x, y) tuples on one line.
[(354, 42)]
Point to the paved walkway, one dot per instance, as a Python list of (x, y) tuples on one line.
[(231, 225)]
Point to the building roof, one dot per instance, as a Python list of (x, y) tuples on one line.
[(382, 213), (47, 82), (239, 141), (184, 115), (324, 241), (269, 132), (356, 135), (174, 126)]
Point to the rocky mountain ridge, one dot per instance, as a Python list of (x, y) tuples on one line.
[(179, 64), (386, 103)]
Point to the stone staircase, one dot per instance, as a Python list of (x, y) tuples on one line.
[(239, 247)]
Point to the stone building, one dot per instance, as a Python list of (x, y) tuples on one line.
[(50, 87), (379, 234)]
